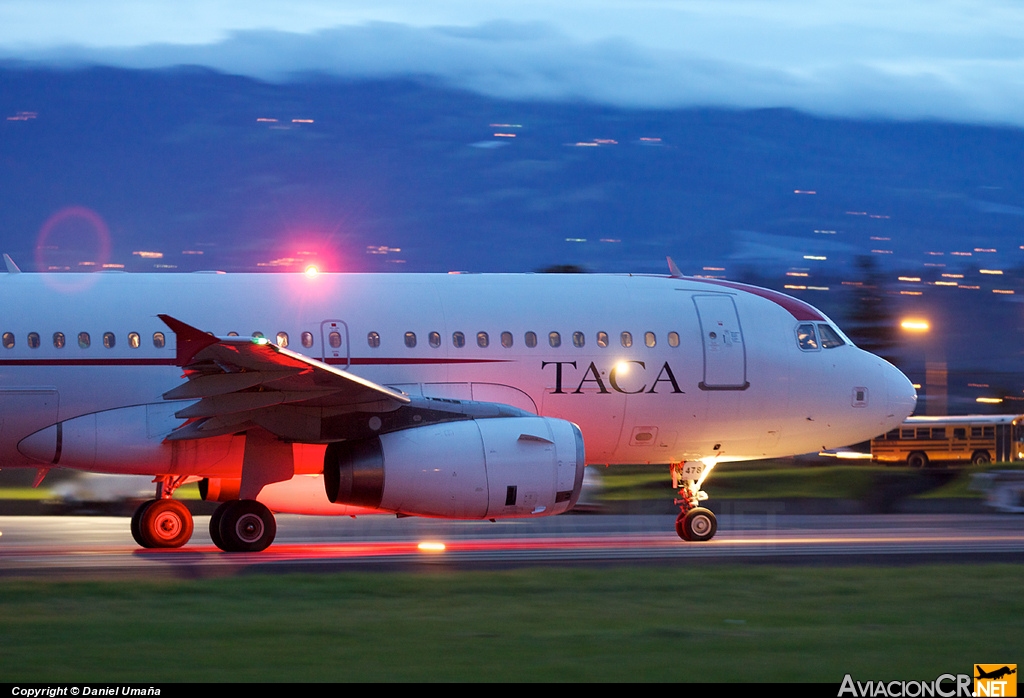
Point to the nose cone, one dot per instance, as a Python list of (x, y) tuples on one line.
[(902, 397)]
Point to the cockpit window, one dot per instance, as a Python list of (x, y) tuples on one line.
[(807, 338), (829, 337)]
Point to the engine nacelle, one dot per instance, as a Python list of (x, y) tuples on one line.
[(475, 469)]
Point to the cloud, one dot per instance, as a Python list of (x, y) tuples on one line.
[(941, 60)]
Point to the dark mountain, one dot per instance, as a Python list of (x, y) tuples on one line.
[(189, 169)]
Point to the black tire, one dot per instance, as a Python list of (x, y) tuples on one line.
[(917, 459), (680, 528), (166, 523), (136, 519), (700, 524), (981, 458), (218, 514), (246, 526)]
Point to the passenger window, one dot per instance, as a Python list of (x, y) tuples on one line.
[(257, 335), (506, 340), (83, 340), (8, 340), (33, 340), (158, 340), (673, 339), (626, 339), (109, 340), (806, 338), (58, 340), (307, 340), (334, 339), (829, 337), (938, 432), (134, 341), (373, 339), (282, 339), (960, 433), (458, 340), (530, 339), (555, 339), (410, 339), (482, 340), (602, 339), (649, 339), (232, 334), (578, 340), (435, 339)]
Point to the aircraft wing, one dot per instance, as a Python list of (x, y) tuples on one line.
[(240, 381)]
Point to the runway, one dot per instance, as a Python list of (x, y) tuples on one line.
[(70, 546)]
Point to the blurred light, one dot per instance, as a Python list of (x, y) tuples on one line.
[(817, 257), (952, 276), (984, 249), (804, 191), (962, 254), (916, 386), (148, 255), (880, 238), (1003, 291), (910, 278), (911, 293), (997, 272), (915, 325), (881, 251), (431, 547), (989, 400), (311, 271)]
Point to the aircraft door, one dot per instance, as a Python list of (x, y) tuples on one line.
[(334, 343), (725, 356)]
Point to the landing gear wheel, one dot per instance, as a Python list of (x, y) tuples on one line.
[(698, 524), (164, 523), (136, 521), (218, 514), (244, 525)]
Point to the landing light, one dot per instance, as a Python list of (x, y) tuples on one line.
[(431, 547), (622, 368), (311, 271)]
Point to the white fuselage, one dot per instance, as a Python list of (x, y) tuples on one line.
[(713, 370)]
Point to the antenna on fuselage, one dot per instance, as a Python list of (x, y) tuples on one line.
[(12, 268), (673, 270)]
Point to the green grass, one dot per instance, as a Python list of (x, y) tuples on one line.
[(715, 623)]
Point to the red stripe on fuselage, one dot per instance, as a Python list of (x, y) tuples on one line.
[(797, 308)]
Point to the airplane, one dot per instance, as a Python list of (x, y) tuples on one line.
[(462, 396), (995, 673)]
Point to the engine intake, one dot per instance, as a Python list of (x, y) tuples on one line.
[(475, 469)]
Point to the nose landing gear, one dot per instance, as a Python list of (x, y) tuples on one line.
[(694, 523)]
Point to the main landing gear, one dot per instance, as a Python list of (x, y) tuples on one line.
[(242, 526), (162, 522), (694, 523)]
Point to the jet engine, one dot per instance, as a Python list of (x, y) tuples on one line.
[(473, 469)]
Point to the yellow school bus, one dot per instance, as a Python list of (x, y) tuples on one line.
[(921, 441)]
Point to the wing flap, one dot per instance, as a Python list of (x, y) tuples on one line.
[(238, 380)]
